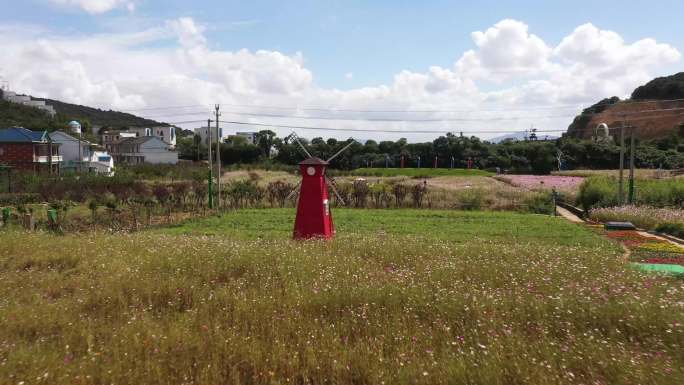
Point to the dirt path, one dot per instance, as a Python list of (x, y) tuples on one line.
[(568, 215)]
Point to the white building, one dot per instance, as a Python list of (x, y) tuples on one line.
[(144, 149), (165, 133), (91, 159), (112, 137), (26, 100), (204, 135)]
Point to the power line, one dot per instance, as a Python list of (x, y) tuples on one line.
[(431, 120), (335, 109), (259, 124), (163, 108), (373, 130), (191, 113)]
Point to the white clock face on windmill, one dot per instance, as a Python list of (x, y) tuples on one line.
[(311, 171)]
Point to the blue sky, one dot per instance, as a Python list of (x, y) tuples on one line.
[(373, 40), (379, 51)]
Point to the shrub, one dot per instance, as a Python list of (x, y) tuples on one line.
[(598, 192), (180, 191), (380, 193), (199, 191), (601, 191), (93, 205), (400, 191), (243, 192), (660, 193), (360, 191), (470, 199), (344, 190), (277, 192), (540, 203), (162, 193), (674, 229), (19, 199), (418, 193)]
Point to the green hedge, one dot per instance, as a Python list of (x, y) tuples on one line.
[(19, 199), (674, 229), (602, 191)]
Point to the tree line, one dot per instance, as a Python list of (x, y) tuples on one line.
[(529, 156)]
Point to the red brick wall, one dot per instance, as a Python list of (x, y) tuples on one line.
[(17, 155)]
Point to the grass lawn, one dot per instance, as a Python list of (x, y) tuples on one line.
[(399, 297), (419, 172), (458, 226)]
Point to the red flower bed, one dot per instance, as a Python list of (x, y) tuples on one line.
[(634, 242), (630, 235)]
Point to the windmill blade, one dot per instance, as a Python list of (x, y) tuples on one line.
[(333, 187), (294, 190), (296, 138), (342, 150)]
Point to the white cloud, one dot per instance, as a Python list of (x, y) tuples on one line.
[(97, 6), (516, 68), (349, 76), (505, 49), (189, 33)]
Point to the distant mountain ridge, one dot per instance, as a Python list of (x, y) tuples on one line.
[(655, 110), (522, 135)]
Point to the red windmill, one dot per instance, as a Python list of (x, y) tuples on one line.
[(314, 219)]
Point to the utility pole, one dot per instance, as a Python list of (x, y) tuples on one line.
[(211, 177), (622, 163), (218, 155), (50, 153), (80, 155), (632, 151)]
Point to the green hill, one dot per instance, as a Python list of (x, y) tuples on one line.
[(12, 114), (664, 88), (654, 109)]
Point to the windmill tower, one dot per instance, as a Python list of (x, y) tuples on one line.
[(314, 219)]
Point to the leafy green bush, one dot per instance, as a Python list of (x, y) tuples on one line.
[(540, 203), (470, 199), (674, 229), (598, 191), (660, 193), (19, 199), (602, 191)]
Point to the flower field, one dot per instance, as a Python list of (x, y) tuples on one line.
[(400, 297), (419, 172), (641, 216)]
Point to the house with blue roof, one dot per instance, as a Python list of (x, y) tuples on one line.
[(27, 150)]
